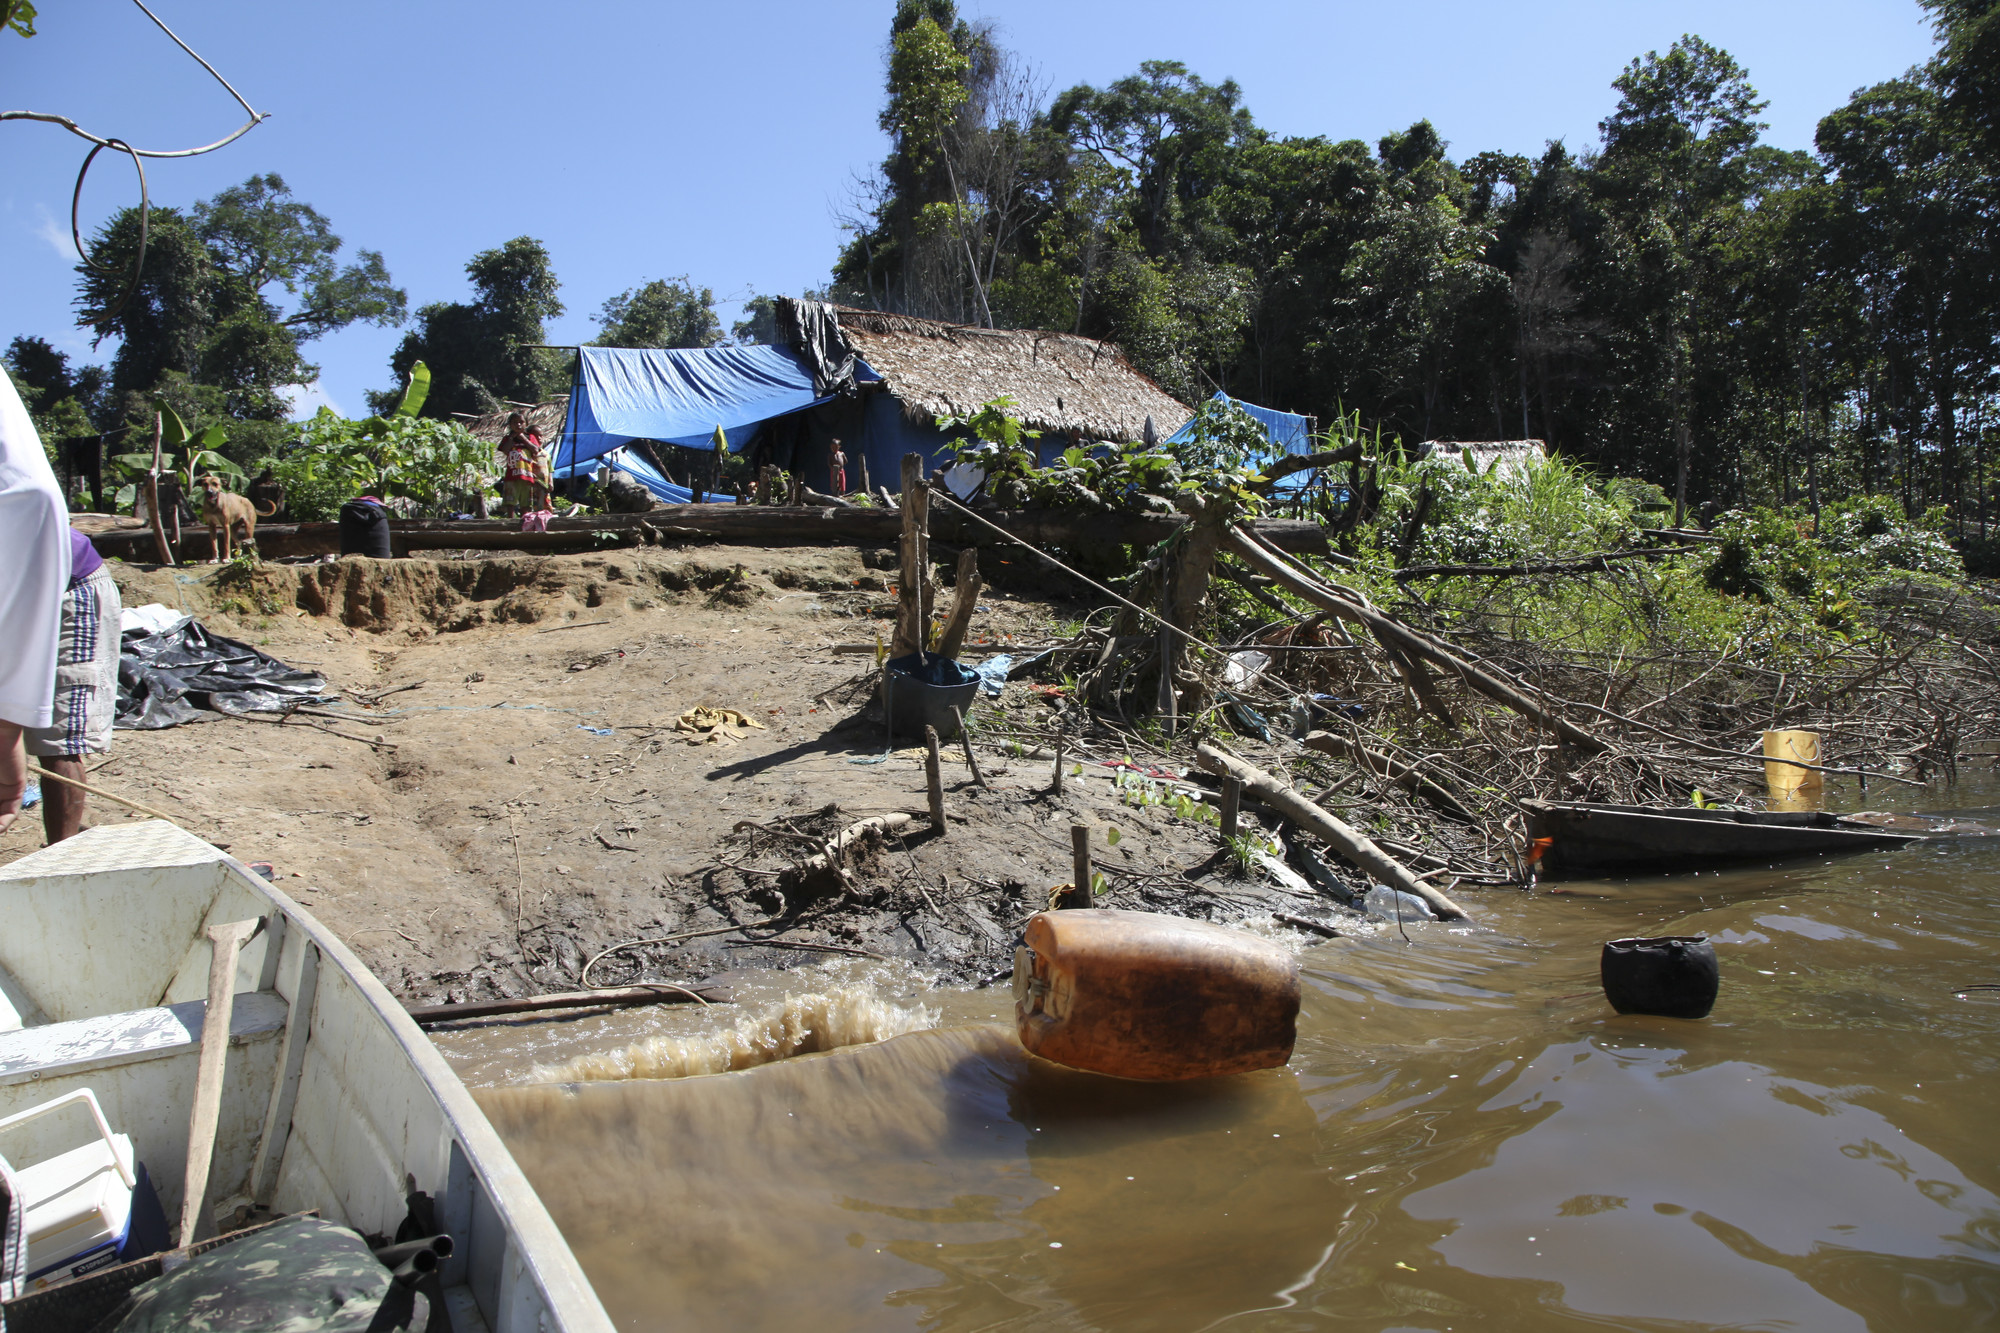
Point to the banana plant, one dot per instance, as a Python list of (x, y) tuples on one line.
[(200, 456)]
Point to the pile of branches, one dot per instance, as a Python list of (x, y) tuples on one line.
[(1430, 727)]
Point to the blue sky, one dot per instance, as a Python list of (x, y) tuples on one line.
[(641, 140)]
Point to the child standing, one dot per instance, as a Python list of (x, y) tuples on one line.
[(524, 485)]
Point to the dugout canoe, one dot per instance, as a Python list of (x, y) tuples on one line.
[(332, 1099), (1569, 839)]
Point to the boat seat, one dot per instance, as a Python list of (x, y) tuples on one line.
[(84, 1044)]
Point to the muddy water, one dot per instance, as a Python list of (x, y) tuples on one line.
[(1466, 1138)]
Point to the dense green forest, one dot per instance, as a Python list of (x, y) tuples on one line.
[(1678, 301)]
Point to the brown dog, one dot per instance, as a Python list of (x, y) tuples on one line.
[(222, 511)]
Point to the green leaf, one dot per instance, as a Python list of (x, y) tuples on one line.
[(414, 393), (1111, 837), (173, 431), (213, 437)]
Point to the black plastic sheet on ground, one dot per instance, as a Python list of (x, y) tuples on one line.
[(180, 674)]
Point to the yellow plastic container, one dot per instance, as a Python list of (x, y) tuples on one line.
[(1143, 996), (1788, 783)]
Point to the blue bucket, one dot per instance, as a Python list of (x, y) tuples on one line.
[(922, 690)]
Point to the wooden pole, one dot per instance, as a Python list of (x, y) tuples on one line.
[(166, 551), (764, 484), (1352, 844), (965, 740), (225, 943), (1232, 805), (909, 599), (1055, 784), (861, 457), (934, 780), (1079, 851)]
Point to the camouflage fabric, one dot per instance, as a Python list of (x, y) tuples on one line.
[(302, 1275)]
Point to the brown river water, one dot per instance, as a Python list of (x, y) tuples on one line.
[(1467, 1137)]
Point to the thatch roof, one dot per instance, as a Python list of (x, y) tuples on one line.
[(544, 419), (1059, 382), (1512, 455)]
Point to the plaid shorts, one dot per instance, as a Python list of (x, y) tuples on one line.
[(86, 672)]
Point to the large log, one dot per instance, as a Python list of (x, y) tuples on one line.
[(746, 525), (1354, 846)]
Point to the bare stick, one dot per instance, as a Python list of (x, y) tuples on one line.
[(1055, 785), (1079, 851), (934, 779), (47, 775), (965, 740), (1232, 805)]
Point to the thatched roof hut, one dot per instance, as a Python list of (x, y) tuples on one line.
[(544, 419), (1060, 383)]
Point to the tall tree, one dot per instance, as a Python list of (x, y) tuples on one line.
[(485, 351), (1675, 172), (205, 305), (660, 313)]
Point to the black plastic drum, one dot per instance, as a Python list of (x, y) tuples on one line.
[(364, 529), (1673, 976)]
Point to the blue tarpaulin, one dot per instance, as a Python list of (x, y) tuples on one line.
[(1289, 432), (680, 396), (638, 469)]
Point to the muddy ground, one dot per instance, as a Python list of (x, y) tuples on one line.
[(528, 803)]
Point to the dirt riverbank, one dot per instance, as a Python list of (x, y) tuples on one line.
[(528, 803)]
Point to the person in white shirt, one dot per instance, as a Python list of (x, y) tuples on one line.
[(34, 574)]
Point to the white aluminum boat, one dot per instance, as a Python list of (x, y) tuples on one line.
[(331, 1097)]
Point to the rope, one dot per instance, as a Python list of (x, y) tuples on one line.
[(941, 494)]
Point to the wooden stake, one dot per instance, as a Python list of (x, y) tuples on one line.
[(764, 484), (152, 485), (934, 779), (1232, 805), (965, 740), (911, 574), (862, 459), (965, 599), (225, 943), (1055, 785), (1079, 850)]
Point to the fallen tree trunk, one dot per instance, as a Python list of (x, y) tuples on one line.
[(1495, 684), (748, 525), (1352, 844), (1285, 467)]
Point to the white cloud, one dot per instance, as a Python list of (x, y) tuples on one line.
[(307, 399), (53, 232)]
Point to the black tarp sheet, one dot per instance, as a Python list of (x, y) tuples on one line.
[(184, 672)]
